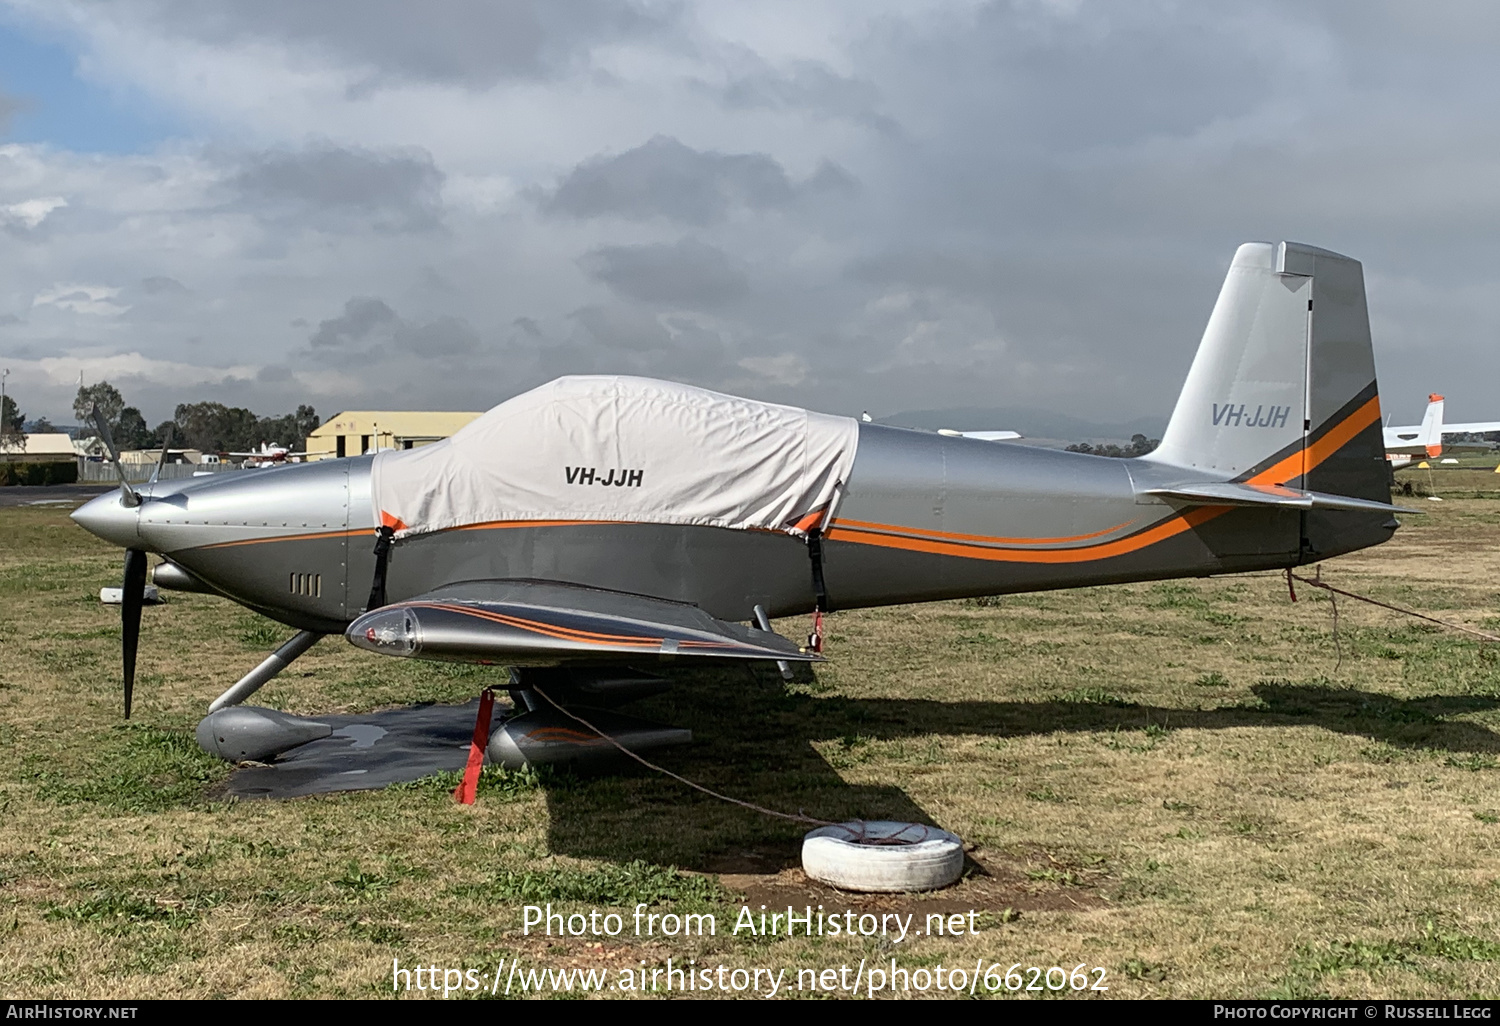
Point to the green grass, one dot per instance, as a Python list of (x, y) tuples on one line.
[(617, 886), (1171, 780)]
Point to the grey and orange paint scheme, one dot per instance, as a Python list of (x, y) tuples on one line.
[(1273, 458)]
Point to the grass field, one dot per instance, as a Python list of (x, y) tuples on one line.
[(1181, 782)]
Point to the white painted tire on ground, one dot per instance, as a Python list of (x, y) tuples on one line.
[(902, 857)]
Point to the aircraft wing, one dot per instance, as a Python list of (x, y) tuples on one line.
[(983, 436), (1230, 493), (541, 623)]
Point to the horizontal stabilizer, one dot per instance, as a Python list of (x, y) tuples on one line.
[(1229, 493), (541, 623)]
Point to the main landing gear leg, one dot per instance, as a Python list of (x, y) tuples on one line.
[(764, 623)]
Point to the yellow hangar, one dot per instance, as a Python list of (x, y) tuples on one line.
[(355, 432)]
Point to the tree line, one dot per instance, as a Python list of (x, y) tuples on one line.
[(208, 427), (1139, 446)]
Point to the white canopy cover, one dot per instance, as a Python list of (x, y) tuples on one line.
[(608, 448)]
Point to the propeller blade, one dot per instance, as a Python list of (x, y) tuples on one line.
[(166, 445), (131, 601), (128, 495)]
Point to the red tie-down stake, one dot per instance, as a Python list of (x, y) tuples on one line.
[(815, 639), (464, 792)]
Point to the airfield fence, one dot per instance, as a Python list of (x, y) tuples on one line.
[(139, 473)]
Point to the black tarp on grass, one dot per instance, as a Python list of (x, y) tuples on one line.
[(368, 751)]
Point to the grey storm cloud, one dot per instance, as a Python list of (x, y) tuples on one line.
[(398, 190), (617, 327), (163, 285), (684, 273), (471, 43), (662, 178), (1019, 202), (622, 339), (807, 86), (273, 373), (369, 327)]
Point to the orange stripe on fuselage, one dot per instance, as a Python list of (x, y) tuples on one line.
[(495, 525), (291, 537), (1284, 470), (923, 532), (1086, 553)]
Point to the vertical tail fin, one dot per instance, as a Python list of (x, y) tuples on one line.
[(1282, 390), (1431, 434)]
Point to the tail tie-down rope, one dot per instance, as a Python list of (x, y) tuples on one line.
[(1318, 582)]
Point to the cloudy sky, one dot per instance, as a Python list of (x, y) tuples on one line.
[(844, 205)]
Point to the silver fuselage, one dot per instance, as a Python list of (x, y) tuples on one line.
[(924, 517)]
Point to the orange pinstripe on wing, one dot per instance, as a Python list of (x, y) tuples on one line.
[(562, 633)]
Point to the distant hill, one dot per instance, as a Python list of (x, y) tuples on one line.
[(1031, 422)]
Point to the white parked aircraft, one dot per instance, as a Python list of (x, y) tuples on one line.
[(1426, 439), (983, 436), (268, 456)]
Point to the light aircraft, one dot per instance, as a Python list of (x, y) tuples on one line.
[(983, 436), (1426, 439), (986, 436), (597, 523), (267, 456)]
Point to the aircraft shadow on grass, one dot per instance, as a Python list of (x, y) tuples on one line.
[(753, 740)]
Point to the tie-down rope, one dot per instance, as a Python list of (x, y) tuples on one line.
[(855, 827), (798, 818), (1318, 582)]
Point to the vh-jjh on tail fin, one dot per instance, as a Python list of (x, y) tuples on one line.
[(1281, 406)]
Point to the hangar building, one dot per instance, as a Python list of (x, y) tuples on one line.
[(355, 432)]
